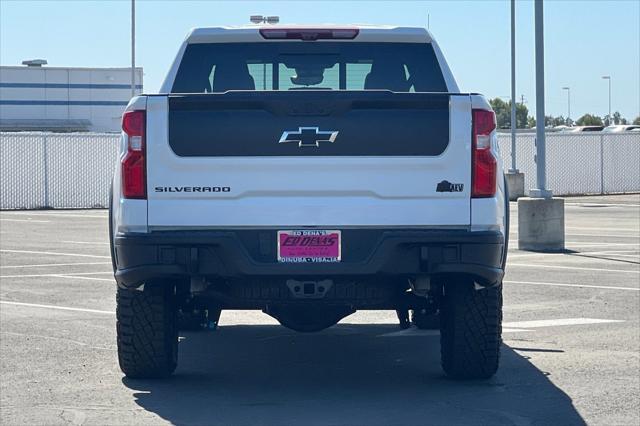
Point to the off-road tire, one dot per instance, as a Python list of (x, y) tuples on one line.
[(470, 330), (147, 331)]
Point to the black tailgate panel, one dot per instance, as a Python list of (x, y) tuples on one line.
[(369, 123)]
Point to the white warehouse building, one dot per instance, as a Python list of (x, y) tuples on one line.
[(35, 97)]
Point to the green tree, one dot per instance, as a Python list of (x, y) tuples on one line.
[(618, 119), (503, 114), (500, 108), (531, 122), (559, 121), (636, 120), (589, 120), (549, 120)]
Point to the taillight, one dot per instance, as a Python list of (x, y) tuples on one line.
[(309, 34), (483, 162), (133, 167)]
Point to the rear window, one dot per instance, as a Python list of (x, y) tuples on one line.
[(219, 67)]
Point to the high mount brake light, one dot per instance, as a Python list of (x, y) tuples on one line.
[(133, 167), (309, 34), (483, 162)]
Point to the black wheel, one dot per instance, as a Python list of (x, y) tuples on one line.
[(147, 331), (470, 330), (425, 320)]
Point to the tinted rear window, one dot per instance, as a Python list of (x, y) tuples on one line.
[(219, 67)]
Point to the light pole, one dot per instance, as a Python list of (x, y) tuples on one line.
[(513, 87), (541, 190), (133, 48), (608, 77), (568, 89)]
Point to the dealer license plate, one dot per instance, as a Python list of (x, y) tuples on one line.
[(309, 246)]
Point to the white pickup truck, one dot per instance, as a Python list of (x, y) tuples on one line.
[(309, 171)]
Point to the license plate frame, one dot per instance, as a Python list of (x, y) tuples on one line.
[(309, 246)]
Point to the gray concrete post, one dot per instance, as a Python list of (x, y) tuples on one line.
[(541, 217)]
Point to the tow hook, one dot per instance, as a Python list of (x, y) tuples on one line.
[(309, 289)]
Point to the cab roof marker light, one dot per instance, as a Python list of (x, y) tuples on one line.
[(309, 34)]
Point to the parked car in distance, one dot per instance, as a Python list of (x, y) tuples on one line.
[(617, 128), (577, 129)]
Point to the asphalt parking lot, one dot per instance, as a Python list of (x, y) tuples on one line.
[(571, 351)]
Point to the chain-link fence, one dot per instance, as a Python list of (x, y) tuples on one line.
[(59, 170), (579, 163), (74, 170)]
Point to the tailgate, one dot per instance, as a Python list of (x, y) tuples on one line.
[(308, 158)]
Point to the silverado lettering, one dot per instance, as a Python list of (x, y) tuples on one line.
[(192, 189)]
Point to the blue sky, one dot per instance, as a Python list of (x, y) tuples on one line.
[(584, 39)]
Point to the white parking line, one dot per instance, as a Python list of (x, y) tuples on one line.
[(515, 253), (54, 264), (55, 214), (587, 204), (534, 265), (514, 228), (510, 327), (77, 277), (54, 253), (56, 275), (85, 278), (571, 234), (86, 242), (572, 285), (410, 332), (24, 220), (556, 322), (594, 228), (61, 308), (598, 244), (588, 243), (636, 251)]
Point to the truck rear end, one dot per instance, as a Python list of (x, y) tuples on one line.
[(310, 172)]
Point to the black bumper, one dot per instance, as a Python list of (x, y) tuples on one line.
[(252, 253)]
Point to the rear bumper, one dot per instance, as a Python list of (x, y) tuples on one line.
[(252, 253)]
